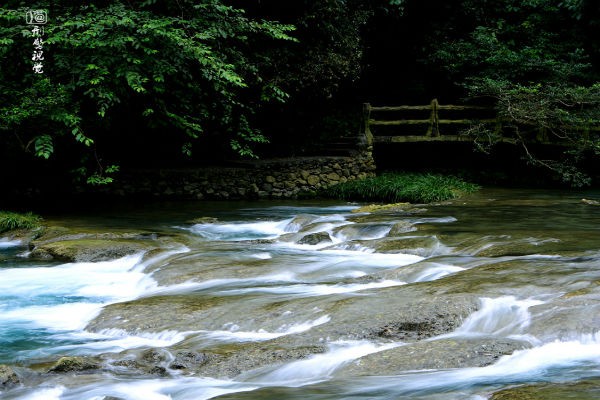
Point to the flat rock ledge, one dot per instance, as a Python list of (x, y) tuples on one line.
[(436, 354)]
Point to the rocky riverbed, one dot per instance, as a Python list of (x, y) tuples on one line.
[(454, 300)]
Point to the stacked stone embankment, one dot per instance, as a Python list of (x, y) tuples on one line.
[(276, 178)]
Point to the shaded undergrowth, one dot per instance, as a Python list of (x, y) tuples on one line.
[(10, 221), (397, 187)]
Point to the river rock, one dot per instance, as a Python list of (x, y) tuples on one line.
[(573, 313), (153, 356), (424, 246), (74, 364), (187, 359), (361, 231), (88, 250), (584, 390), (421, 318), (436, 354), (401, 227), (8, 377), (147, 362), (242, 358), (315, 238), (300, 221)]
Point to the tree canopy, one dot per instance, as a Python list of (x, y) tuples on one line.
[(180, 68), (212, 79)]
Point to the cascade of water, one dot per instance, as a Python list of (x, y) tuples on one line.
[(5, 243), (502, 316), (318, 367), (252, 294)]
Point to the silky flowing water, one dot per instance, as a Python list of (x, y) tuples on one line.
[(446, 301)]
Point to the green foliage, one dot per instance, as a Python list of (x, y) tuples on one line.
[(10, 221), (397, 187), (102, 176), (329, 52), (520, 41), (179, 66), (534, 59), (556, 112)]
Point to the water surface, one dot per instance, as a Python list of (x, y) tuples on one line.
[(402, 304)]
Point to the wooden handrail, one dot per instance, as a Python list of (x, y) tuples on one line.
[(428, 107), (433, 122)]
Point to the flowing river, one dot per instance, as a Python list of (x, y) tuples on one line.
[(313, 300)]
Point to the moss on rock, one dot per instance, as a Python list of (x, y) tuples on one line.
[(88, 250), (74, 364)]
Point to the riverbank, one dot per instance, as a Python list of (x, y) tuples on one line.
[(286, 178)]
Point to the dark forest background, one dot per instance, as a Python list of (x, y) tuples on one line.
[(187, 83)]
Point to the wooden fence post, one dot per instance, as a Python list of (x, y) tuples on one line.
[(434, 126)]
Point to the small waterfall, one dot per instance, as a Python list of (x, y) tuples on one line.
[(235, 335), (319, 367), (308, 290), (436, 271), (502, 316), (362, 232), (41, 305), (5, 243), (242, 230)]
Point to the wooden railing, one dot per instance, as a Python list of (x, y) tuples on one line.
[(433, 126)]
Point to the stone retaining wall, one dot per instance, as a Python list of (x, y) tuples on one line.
[(281, 178)]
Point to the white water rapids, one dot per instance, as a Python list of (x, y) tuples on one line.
[(254, 282)]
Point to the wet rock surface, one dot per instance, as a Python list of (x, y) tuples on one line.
[(88, 250), (435, 354), (315, 238), (74, 364), (584, 390), (424, 318), (71, 245), (240, 309), (8, 377), (223, 361), (189, 360), (396, 313), (234, 360)]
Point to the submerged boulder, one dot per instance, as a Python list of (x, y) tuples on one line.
[(315, 238), (8, 377), (74, 364)]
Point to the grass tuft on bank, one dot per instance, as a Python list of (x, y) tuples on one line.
[(10, 221), (402, 187)]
